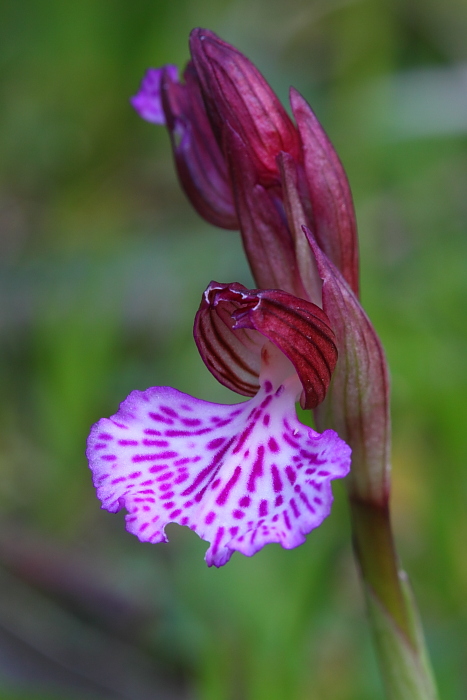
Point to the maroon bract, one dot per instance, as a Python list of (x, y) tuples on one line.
[(266, 237), (357, 406), (334, 224), (235, 93)]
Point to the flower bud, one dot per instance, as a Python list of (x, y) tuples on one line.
[(201, 166), (236, 93)]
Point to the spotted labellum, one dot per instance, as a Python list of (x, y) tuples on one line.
[(242, 475)]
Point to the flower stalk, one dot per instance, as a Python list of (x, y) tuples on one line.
[(392, 610), (357, 407)]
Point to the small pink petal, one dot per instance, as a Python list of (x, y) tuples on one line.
[(241, 476), (147, 100)]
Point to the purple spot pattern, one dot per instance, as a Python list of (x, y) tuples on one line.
[(238, 481)]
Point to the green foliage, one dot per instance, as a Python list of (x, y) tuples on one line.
[(102, 267)]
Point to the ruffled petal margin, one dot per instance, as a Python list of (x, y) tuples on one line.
[(241, 476)]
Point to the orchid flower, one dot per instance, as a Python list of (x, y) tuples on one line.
[(241, 475), (245, 164), (244, 475)]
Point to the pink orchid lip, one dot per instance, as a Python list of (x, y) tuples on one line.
[(241, 476), (233, 323)]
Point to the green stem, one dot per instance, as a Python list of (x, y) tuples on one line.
[(392, 610)]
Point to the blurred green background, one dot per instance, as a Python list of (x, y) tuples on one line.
[(103, 264)]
